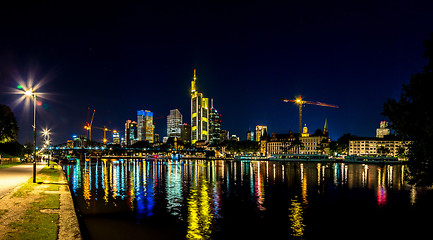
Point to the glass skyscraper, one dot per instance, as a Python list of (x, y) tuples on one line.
[(145, 129), (174, 122), (199, 114)]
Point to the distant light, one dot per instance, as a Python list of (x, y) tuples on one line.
[(74, 136)]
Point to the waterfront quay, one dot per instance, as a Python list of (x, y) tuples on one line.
[(165, 198)]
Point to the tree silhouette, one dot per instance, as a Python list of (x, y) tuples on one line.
[(8, 125), (412, 118)]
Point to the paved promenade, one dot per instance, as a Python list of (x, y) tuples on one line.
[(13, 209), (12, 177)]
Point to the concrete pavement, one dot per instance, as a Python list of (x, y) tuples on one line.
[(12, 177)]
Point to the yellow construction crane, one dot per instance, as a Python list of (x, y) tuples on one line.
[(301, 102), (88, 125), (105, 129)]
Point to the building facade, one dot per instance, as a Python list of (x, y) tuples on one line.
[(116, 137), (260, 131), (383, 130), (377, 146), (250, 136), (185, 133), (130, 132), (297, 143), (174, 123), (199, 114), (145, 128), (214, 125), (318, 143)]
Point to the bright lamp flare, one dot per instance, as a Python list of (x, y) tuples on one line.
[(28, 92)]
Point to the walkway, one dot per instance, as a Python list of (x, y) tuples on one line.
[(12, 177)]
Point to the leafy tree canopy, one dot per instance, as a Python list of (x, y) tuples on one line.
[(412, 118), (8, 125)]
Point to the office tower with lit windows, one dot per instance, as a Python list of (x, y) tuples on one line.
[(199, 114), (260, 131), (145, 128), (116, 137), (250, 136), (130, 132), (185, 134), (214, 125), (174, 122)]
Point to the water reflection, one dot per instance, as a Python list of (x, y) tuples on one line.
[(197, 193)]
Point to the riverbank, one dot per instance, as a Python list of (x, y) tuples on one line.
[(42, 210)]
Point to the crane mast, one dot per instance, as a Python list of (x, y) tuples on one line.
[(300, 102)]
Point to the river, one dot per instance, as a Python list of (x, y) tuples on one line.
[(222, 199)]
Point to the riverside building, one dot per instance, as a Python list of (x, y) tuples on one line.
[(214, 125), (199, 114), (145, 128), (130, 132), (174, 123)]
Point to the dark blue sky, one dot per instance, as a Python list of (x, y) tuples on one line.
[(119, 58)]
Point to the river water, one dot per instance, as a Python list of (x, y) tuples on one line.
[(221, 199)]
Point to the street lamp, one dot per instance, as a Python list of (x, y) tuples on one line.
[(47, 141), (31, 93)]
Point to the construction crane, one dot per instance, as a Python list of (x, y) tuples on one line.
[(301, 102), (105, 129), (88, 125)]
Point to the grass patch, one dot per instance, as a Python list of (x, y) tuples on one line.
[(50, 201), (3, 212), (25, 189), (45, 176), (10, 165), (34, 224)]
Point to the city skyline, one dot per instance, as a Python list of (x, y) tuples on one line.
[(248, 56)]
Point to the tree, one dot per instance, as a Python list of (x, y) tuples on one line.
[(412, 118), (341, 146), (8, 125), (297, 144)]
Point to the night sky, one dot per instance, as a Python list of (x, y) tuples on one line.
[(118, 58)]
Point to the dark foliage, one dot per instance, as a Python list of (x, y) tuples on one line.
[(8, 125), (11, 148), (412, 118)]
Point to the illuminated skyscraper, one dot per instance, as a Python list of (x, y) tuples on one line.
[(174, 122), (130, 132), (116, 137), (214, 125), (250, 136), (145, 126), (199, 114), (260, 130)]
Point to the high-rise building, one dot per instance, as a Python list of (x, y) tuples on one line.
[(185, 133), (383, 130), (130, 132), (260, 131), (199, 114), (224, 135), (116, 137), (250, 136), (145, 128), (174, 122), (214, 125)]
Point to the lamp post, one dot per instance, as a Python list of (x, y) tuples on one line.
[(47, 141), (31, 93)]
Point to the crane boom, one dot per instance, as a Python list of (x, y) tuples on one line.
[(105, 129), (88, 125), (301, 102)]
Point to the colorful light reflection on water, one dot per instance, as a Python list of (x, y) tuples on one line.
[(199, 199)]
